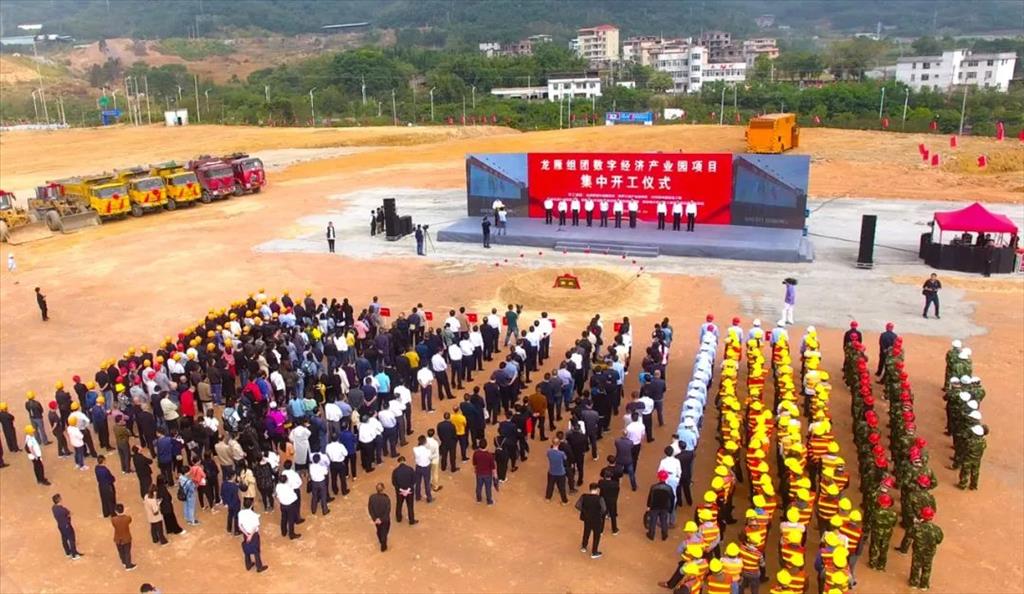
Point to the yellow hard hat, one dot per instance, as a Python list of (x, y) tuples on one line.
[(832, 489), (72, 421), (29, 429), (694, 550), (794, 536), (769, 489), (793, 514), (721, 470), (784, 577), (840, 577), (100, 400), (3, 406), (835, 522), (759, 501), (728, 460), (710, 497), (845, 505), (30, 395), (690, 526), (732, 549), (691, 568), (831, 539), (59, 385), (855, 515), (90, 385), (717, 483), (211, 346), (75, 406), (803, 494), (754, 538)]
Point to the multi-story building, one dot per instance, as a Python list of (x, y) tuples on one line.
[(762, 46), (727, 72), (684, 64), (490, 48), (598, 45), (576, 85), (523, 47), (956, 68), (638, 49)]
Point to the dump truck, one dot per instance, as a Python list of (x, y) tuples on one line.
[(60, 211), (146, 192), (250, 176), (773, 133), (104, 193), (216, 177), (182, 186), (18, 225)]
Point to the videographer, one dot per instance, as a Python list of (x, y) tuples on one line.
[(420, 233)]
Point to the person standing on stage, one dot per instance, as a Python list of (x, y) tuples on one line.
[(563, 206), (677, 215), (618, 214), (634, 210), (575, 206), (549, 206), (662, 213), (419, 241), (604, 213), (691, 214), (331, 236), (588, 208), (502, 221)]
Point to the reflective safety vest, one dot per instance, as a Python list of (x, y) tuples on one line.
[(711, 534), (786, 529), (853, 534), (751, 558), (732, 566), (789, 552), (828, 505), (719, 583), (799, 581)]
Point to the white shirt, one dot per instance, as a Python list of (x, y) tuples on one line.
[(403, 396), (332, 412), (452, 324), (387, 418), (32, 448), (562, 205), (575, 204), (369, 430), (662, 208), (294, 480), (545, 327), (336, 451), (635, 432), (494, 321), (318, 472), (549, 204), (212, 424), (634, 206), (466, 345), (604, 206), (533, 336), (477, 339), (277, 380), (395, 407), (648, 403), (454, 352), (248, 521), (577, 359), (83, 421), (677, 208), (285, 494), (273, 458), (425, 376), (588, 205), (435, 449), (75, 437), (618, 207), (672, 466), (691, 207), (421, 454)]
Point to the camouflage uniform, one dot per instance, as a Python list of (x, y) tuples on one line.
[(970, 463), (883, 520), (912, 500), (927, 537), (952, 356)]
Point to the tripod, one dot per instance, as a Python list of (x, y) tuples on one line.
[(430, 242)]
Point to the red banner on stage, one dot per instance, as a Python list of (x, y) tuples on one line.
[(648, 178)]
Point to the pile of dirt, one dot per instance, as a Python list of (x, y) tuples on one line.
[(600, 289)]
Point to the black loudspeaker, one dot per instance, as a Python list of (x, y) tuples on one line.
[(390, 218), (405, 225), (389, 207), (866, 255)]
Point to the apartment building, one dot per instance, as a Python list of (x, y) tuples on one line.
[(761, 46), (956, 68), (598, 45)]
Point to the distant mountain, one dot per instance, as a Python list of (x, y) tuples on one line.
[(469, 21)]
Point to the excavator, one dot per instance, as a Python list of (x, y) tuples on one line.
[(60, 211)]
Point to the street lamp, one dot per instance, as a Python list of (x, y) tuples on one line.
[(474, 97), (432, 103), (394, 109), (115, 97), (35, 106), (312, 110), (207, 94)]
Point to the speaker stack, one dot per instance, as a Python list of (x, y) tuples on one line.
[(395, 227), (866, 255)]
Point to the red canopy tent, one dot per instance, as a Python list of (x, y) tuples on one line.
[(974, 218)]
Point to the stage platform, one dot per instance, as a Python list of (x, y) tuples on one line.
[(707, 241)]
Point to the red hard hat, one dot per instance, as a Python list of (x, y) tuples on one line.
[(710, 318), (854, 324), (735, 321), (924, 481), (53, 405), (76, 378), (885, 500), (927, 513)]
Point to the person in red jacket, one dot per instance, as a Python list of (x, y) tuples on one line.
[(484, 468)]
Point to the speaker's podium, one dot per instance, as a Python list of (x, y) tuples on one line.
[(866, 254), (395, 227)]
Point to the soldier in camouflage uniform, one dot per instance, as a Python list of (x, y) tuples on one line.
[(883, 520), (951, 396), (952, 355), (927, 538), (913, 498), (970, 463)]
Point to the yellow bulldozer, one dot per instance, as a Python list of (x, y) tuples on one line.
[(60, 211), (104, 193), (18, 225), (146, 192), (181, 185)]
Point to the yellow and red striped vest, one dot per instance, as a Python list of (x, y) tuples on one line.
[(732, 566), (789, 552), (751, 558), (853, 534), (828, 505), (710, 533), (719, 583), (799, 581)]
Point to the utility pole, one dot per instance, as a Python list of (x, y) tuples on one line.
[(149, 114), (195, 86), (394, 109), (463, 109), (363, 87), (561, 104), (114, 93), (906, 101), (568, 117), (266, 93), (312, 110), (207, 93), (881, 104), (734, 104), (432, 103), (179, 93), (474, 97), (35, 106), (593, 107), (963, 110), (721, 107)]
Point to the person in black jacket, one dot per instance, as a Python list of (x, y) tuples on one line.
[(592, 510), (659, 506), (609, 488), (105, 481), (403, 478), (379, 507), (449, 440), (578, 442), (685, 458), (885, 342), (143, 470)]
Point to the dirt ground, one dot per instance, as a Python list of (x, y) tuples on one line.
[(132, 283)]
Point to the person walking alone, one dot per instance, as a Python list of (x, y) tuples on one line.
[(67, 531), (930, 290), (41, 302), (485, 226), (249, 524), (593, 511), (484, 468), (556, 472), (331, 236), (789, 301), (380, 513)]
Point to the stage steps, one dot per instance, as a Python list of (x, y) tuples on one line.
[(634, 251)]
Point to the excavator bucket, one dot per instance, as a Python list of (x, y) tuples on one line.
[(73, 222), (28, 232)]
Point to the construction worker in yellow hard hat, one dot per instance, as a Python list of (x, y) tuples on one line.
[(7, 424)]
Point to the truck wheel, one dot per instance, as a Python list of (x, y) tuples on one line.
[(171, 204), (257, 190), (3, 231), (53, 220), (205, 198), (136, 210), (238, 190)]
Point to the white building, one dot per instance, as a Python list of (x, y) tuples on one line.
[(598, 44), (685, 65), (576, 86), (490, 48), (728, 72), (638, 49), (955, 68), (520, 92), (761, 46)]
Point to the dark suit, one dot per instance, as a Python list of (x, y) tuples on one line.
[(403, 478)]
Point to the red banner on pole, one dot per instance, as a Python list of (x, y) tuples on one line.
[(554, 322), (617, 326), (385, 312), (982, 161), (952, 141), (472, 317), (647, 178), (935, 160), (429, 315)]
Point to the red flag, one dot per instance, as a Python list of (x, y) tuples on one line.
[(472, 317), (385, 312), (617, 326), (920, 148), (554, 323), (982, 161), (935, 160), (952, 141), (1000, 131), (933, 126), (925, 155), (429, 315), (885, 123), (504, 322), (817, 120)]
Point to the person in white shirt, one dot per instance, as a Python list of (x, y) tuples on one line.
[(369, 430), (468, 358), (604, 213), (674, 468), (336, 454), (249, 524), (476, 338), (677, 215), (691, 215), (397, 407), (635, 433), (546, 328), (288, 501), (389, 423), (618, 214), (425, 378), (662, 210), (452, 323), (647, 413), (332, 415), (588, 209), (575, 206), (455, 358), (35, 455), (563, 206), (435, 459), (493, 334), (634, 211), (318, 469), (422, 456), (299, 436), (277, 382), (549, 206), (77, 442)]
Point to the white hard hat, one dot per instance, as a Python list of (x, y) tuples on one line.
[(972, 404), (975, 379), (954, 380), (780, 323), (978, 430), (811, 330), (957, 344), (757, 323), (965, 396), (975, 414), (965, 379), (965, 353)]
